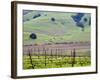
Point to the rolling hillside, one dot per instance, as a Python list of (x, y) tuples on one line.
[(51, 27)]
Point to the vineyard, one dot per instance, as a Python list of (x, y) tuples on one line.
[(56, 55)]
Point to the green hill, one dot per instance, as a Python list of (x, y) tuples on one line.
[(53, 27)]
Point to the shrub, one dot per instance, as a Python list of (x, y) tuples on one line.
[(52, 19), (33, 36)]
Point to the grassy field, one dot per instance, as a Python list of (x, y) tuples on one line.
[(54, 62), (62, 29), (56, 59), (44, 38)]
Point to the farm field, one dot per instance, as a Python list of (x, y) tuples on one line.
[(59, 55), (56, 39), (55, 62)]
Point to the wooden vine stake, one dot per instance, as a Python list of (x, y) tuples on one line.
[(30, 57)]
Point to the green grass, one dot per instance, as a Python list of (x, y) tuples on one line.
[(54, 62), (44, 38), (63, 29), (49, 14)]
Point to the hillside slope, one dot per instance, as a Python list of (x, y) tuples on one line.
[(55, 27)]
